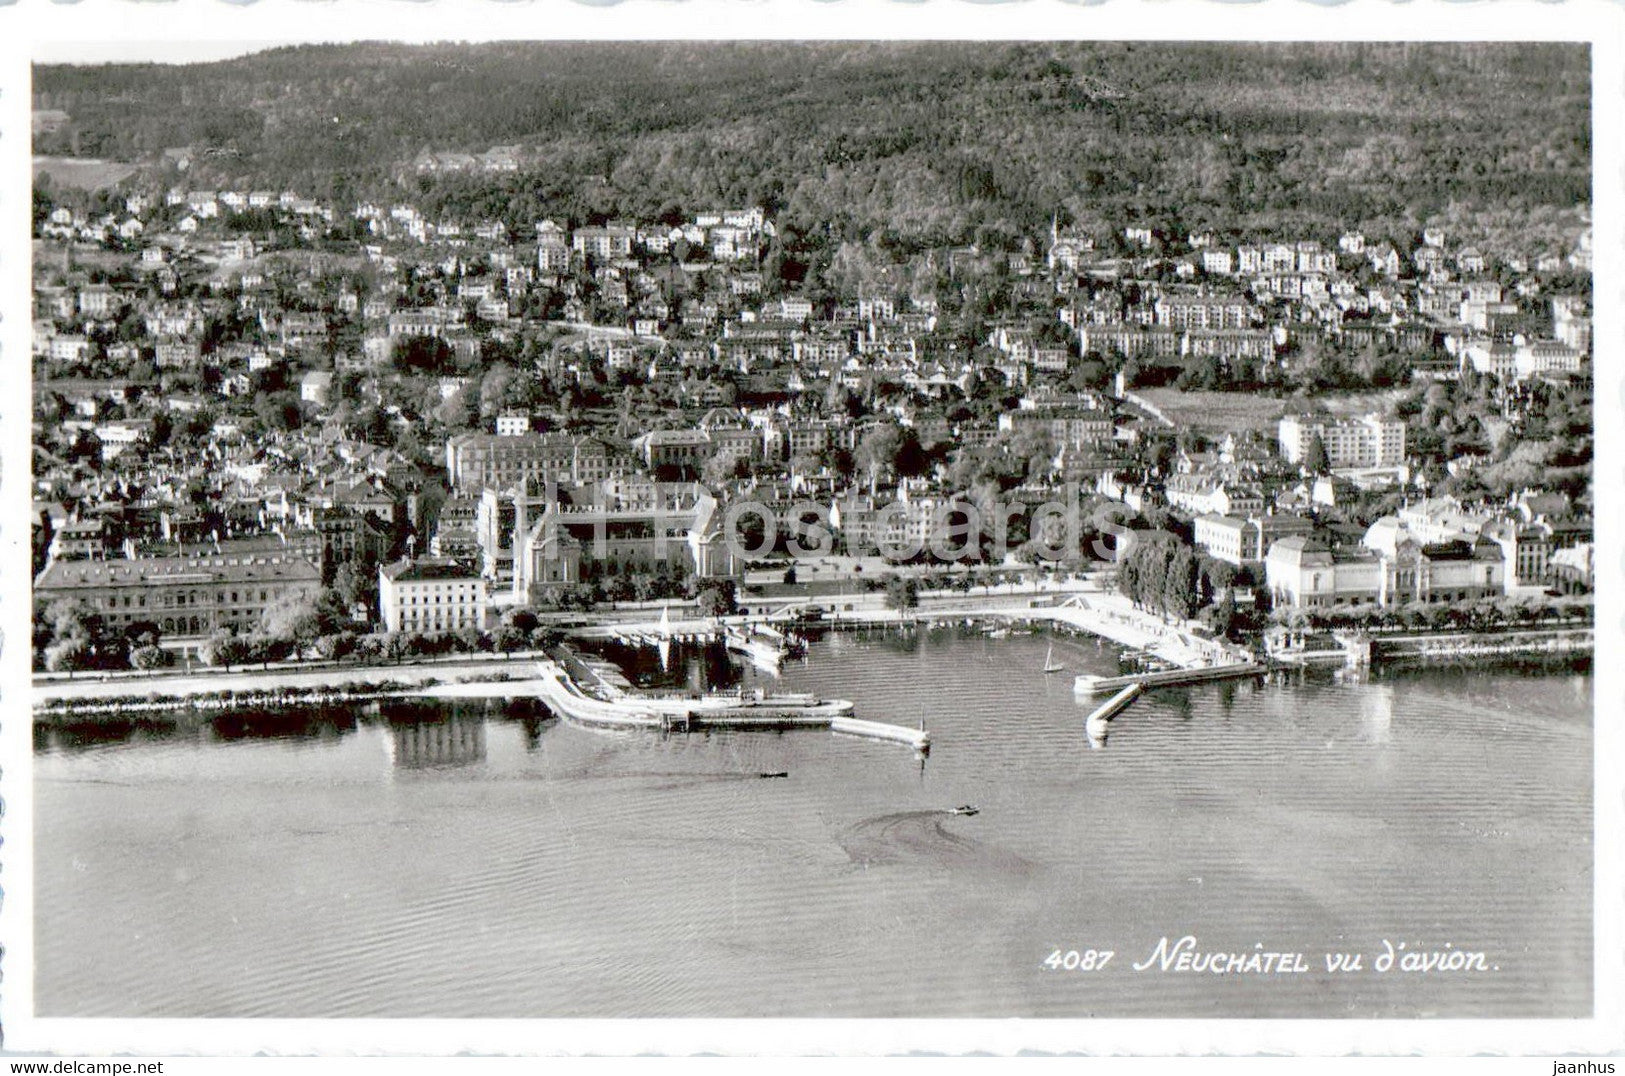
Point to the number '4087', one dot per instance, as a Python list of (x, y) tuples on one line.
[(1078, 960)]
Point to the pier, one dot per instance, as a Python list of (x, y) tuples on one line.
[(1099, 685), (582, 692), (919, 739), (1116, 704)]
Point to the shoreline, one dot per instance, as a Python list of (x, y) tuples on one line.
[(118, 694), (227, 689)]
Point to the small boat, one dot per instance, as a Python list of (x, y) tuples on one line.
[(1050, 664), (966, 809)]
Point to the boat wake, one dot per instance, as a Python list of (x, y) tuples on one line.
[(666, 780), (922, 838)]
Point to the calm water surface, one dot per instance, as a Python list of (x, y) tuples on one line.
[(485, 860)]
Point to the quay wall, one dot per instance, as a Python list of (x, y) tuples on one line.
[(1466, 645)]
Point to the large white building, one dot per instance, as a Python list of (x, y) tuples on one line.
[(1535, 357), (605, 243), (431, 596), (1391, 566), (1366, 441), (1210, 495), (1203, 311)]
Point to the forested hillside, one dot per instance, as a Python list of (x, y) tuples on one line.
[(899, 144)]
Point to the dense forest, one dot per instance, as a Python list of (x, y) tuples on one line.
[(898, 145)]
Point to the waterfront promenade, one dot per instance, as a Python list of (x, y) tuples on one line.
[(1112, 616), (291, 676), (1081, 607)]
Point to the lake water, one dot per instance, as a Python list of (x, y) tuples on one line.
[(477, 860)]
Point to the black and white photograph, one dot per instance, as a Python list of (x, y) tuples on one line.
[(1063, 529)]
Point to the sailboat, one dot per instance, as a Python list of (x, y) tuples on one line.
[(664, 644), (1050, 664)]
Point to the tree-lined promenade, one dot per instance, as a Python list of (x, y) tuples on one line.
[(285, 677)]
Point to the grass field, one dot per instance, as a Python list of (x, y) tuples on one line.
[(1361, 403), (1216, 411), (85, 174), (1220, 411)]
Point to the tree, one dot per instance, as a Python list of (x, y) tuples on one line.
[(902, 593), (74, 620), (300, 619), (278, 410), (225, 649), (69, 655), (543, 637), (522, 620), (1179, 582), (149, 658), (1315, 460), (1221, 618), (77, 637), (399, 645), (877, 450), (1217, 576), (335, 646), (509, 638), (911, 458), (716, 597), (353, 584), (421, 355), (459, 411), (723, 467)]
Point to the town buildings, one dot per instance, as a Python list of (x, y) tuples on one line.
[(228, 388)]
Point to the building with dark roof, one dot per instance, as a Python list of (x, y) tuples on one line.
[(183, 596)]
